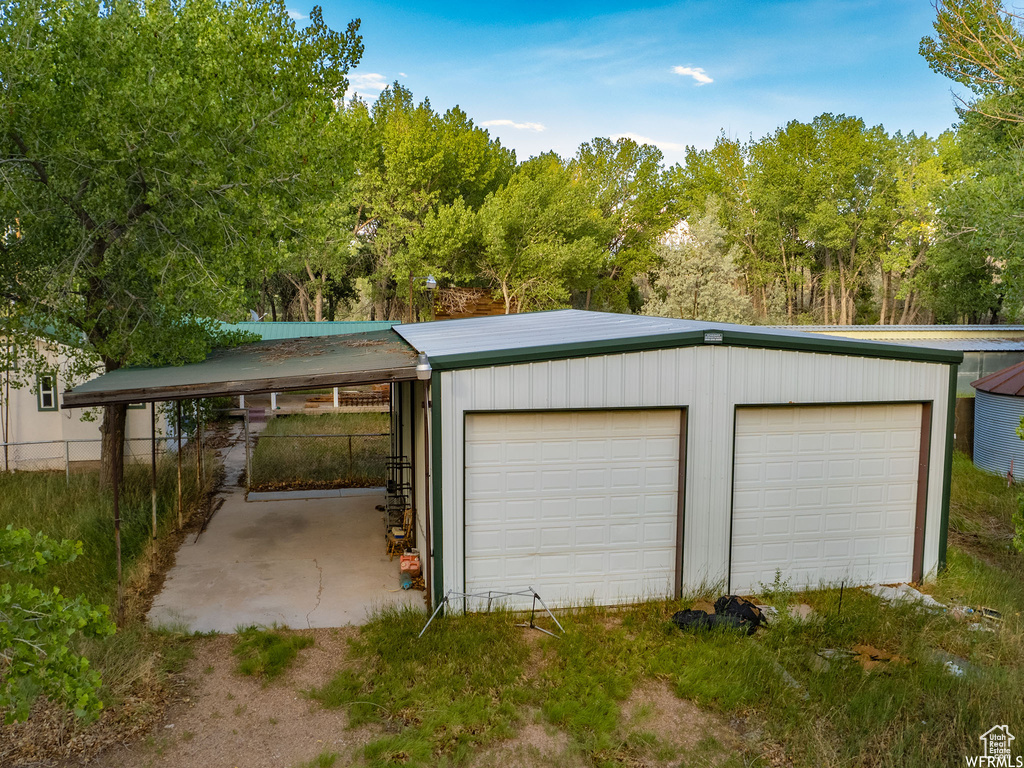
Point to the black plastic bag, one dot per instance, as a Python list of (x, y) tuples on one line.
[(694, 620), (731, 612), (741, 608)]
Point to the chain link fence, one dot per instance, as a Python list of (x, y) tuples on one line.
[(73, 455), (285, 462)]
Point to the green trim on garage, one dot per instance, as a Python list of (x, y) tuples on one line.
[(437, 525), (947, 470), (830, 345)]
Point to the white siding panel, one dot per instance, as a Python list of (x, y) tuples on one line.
[(711, 382)]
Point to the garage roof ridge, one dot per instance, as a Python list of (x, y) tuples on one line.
[(527, 337)]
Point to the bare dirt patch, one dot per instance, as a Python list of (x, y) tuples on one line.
[(654, 708), (225, 719), (536, 744)]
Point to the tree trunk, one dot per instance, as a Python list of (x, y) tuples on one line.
[(789, 287), (883, 314), (907, 304), (843, 315), (112, 445)]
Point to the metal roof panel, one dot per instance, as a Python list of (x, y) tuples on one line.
[(1009, 381), (262, 366), (269, 329), (505, 339)]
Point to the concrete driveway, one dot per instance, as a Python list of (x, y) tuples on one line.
[(317, 562)]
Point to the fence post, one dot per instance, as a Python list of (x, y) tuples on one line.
[(67, 462), (248, 453), (350, 466), (177, 432), (335, 397)]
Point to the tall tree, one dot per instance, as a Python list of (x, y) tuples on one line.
[(420, 176), (978, 43), (632, 193), (542, 237), (148, 155), (698, 276), (854, 188), (979, 260)]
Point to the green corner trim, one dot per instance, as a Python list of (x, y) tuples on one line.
[(437, 527), (730, 338), (947, 467)]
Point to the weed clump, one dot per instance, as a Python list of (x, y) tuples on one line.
[(267, 653)]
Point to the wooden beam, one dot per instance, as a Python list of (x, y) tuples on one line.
[(239, 387)]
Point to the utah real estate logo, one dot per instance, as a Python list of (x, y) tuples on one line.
[(996, 750)]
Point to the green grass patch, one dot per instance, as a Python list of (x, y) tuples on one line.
[(77, 509), (477, 678), (267, 653), (981, 507), (446, 694), (135, 661), (323, 760), (336, 450)]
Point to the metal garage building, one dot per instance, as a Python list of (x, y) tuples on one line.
[(609, 457)]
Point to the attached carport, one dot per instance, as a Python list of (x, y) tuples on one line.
[(263, 561), (610, 458)]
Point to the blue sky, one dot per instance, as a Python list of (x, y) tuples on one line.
[(542, 76)]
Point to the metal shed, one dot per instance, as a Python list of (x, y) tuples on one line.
[(987, 348), (998, 409), (613, 457), (607, 457)]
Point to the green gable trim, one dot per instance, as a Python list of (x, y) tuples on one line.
[(729, 338), (947, 470)]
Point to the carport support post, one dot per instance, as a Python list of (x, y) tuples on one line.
[(177, 432), (117, 549), (152, 461), (199, 452)]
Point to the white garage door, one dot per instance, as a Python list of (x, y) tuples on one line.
[(580, 505), (824, 494)]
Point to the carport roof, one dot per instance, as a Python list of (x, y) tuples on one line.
[(263, 366), (505, 339)]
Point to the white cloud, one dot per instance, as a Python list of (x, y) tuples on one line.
[(402, 74), (536, 127), (369, 81), (697, 73), (296, 15), (666, 145)]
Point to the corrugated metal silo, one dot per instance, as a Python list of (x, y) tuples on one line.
[(998, 409)]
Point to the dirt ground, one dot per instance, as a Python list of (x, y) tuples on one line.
[(225, 719), (220, 719)]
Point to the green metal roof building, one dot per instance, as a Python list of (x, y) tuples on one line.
[(607, 457)]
